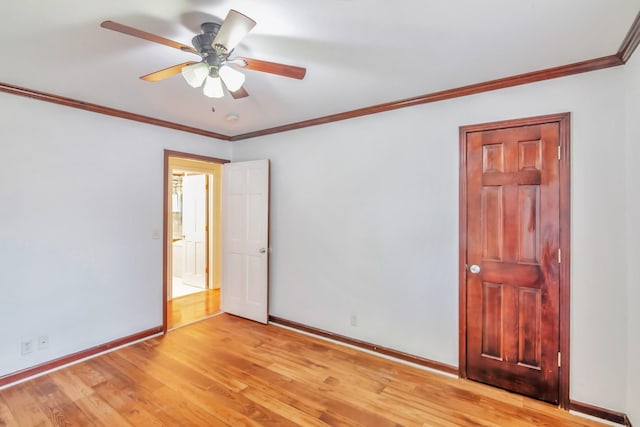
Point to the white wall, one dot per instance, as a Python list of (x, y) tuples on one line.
[(364, 219), (633, 235), (80, 194)]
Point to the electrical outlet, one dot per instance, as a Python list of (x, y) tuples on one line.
[(26, 347), (155, 234), (43, 342), (354, 319)]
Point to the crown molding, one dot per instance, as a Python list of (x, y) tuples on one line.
[(100, 109), (626, 50), (630, 42), (517, 80)]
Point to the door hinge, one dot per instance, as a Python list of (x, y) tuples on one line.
[(559, 152), (559, 256), (559, 359)]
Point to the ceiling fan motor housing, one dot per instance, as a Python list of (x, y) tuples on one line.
[(203, 44)]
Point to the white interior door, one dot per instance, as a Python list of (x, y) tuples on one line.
[(245, 239), (194, 222)]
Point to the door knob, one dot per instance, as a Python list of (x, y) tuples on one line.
[(262, 250), (475, 269)]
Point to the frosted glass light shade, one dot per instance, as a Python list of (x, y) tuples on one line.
[(233, 79), (195, 74), (213, 87), (234, 28)]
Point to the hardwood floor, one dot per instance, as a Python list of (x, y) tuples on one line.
[(230, 371), (193, 307)]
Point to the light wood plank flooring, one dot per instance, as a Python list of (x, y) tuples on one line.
[(230, 371), (193, 307)]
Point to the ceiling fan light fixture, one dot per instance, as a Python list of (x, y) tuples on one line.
[(233, 79), (213, 87), (195, 74), (214, 46)]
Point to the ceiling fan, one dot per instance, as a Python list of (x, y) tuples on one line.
[(214, 45)]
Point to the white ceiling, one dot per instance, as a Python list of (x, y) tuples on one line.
[(357, 52)]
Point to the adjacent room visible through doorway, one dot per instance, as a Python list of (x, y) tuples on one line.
[(191, 291)]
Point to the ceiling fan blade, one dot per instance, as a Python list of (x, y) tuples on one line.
[(270, 67), (110, 25), (233, 29), (240, 93), (166, 73)]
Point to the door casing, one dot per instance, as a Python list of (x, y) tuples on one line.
[(563, 119)]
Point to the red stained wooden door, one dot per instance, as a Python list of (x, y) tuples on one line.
[(512, 302)]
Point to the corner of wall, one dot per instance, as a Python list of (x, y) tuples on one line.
[(632, 92)]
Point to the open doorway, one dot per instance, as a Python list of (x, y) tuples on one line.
[(192, 246)]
